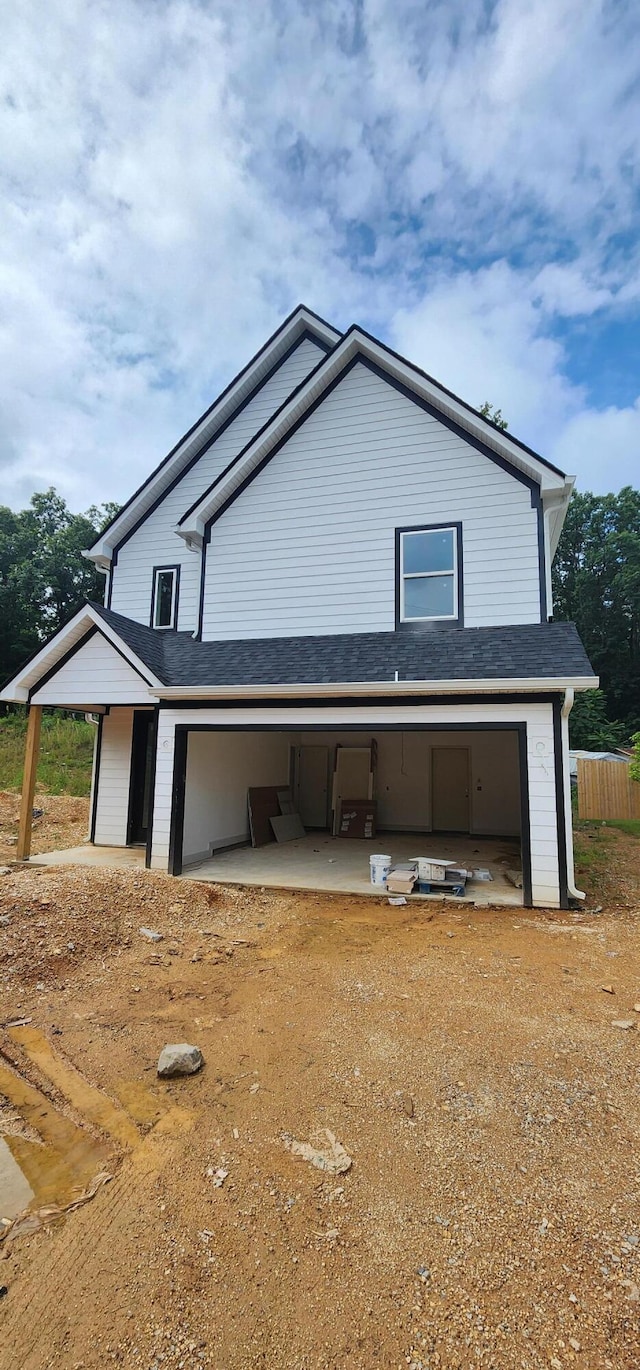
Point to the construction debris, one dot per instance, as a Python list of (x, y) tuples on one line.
[(30, 1220), (217, 1176), (331, 1157)]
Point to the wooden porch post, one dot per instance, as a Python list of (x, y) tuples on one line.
[(31, 753)]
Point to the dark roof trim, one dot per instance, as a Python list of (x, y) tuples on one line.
[(388, 701), (306, 336), (452, 395), (234, 460), (36, 652), (360, 359), (223, 393), (77, 646), (62, 661)]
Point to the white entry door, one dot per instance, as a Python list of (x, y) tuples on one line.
[(450, 808), (312, 781)]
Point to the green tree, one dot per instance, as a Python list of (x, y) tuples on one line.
[(493, 415), (43, 576), (596, 584), (589, 727)]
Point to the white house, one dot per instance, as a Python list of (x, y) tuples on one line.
[(339, 549)]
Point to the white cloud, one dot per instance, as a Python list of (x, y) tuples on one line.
[(175, 177), (601, 445), (484, 336)]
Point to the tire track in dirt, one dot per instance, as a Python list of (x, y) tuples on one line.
[(69, 1274)]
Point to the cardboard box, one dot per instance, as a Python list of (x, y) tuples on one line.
[(400, 882), (431, 868), (357, 818)]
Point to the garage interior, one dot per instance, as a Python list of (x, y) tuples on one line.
[(451, 794)]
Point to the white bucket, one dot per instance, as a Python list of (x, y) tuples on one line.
[(379, 867)]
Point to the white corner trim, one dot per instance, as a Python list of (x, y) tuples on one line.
[(567, 706), (358, 690)]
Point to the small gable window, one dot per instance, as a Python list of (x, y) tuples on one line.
[(429, 574), (164, 598)]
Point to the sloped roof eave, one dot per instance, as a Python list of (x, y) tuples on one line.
[(301, 318), (536, 469), (57, 649)]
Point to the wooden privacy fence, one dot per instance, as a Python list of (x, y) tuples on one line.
[(605, 790)]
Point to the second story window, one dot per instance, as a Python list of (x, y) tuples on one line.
[(164, 598), (429, 574)]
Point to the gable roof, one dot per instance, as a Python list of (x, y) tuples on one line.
[(357, 345), (300, 324), (67, 640)]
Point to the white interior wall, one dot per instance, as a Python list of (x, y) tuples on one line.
[(220, 769), (403, 787)]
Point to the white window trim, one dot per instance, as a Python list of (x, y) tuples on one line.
[(429, 575), (164, 571)]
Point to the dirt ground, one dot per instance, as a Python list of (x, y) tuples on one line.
[(467, 1060), (62, 822)]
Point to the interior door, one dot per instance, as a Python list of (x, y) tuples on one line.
[(450, 809), (312, 781), (141, 767)]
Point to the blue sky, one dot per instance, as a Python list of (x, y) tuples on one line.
[(459, 176)]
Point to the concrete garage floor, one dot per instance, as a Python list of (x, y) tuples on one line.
[(321, 862)]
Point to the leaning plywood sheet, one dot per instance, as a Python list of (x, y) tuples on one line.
[(263, 805), (287, 827)]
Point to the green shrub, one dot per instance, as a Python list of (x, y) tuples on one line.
[(66, 753)]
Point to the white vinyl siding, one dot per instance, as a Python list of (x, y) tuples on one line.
[(95, 674), (113, 779), (156, 543), (540, 758), (309, 546)]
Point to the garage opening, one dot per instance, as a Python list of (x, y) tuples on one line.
[(451, 793)]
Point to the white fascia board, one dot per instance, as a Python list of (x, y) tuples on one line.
[(556, 506), (356, 342), (101, 551), (17, 690), (359, 690)]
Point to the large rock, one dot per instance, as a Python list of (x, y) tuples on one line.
[(179, 1059)]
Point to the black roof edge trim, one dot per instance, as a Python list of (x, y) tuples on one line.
[(234, 460), (360, 358), (222, 427), (471, 437), (190, 431), (86, 604), (452, 395)]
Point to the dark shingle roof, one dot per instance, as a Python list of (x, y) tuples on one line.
[(523, 651)]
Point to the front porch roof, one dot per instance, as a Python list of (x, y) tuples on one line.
[(546, 655), (536, 656)]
